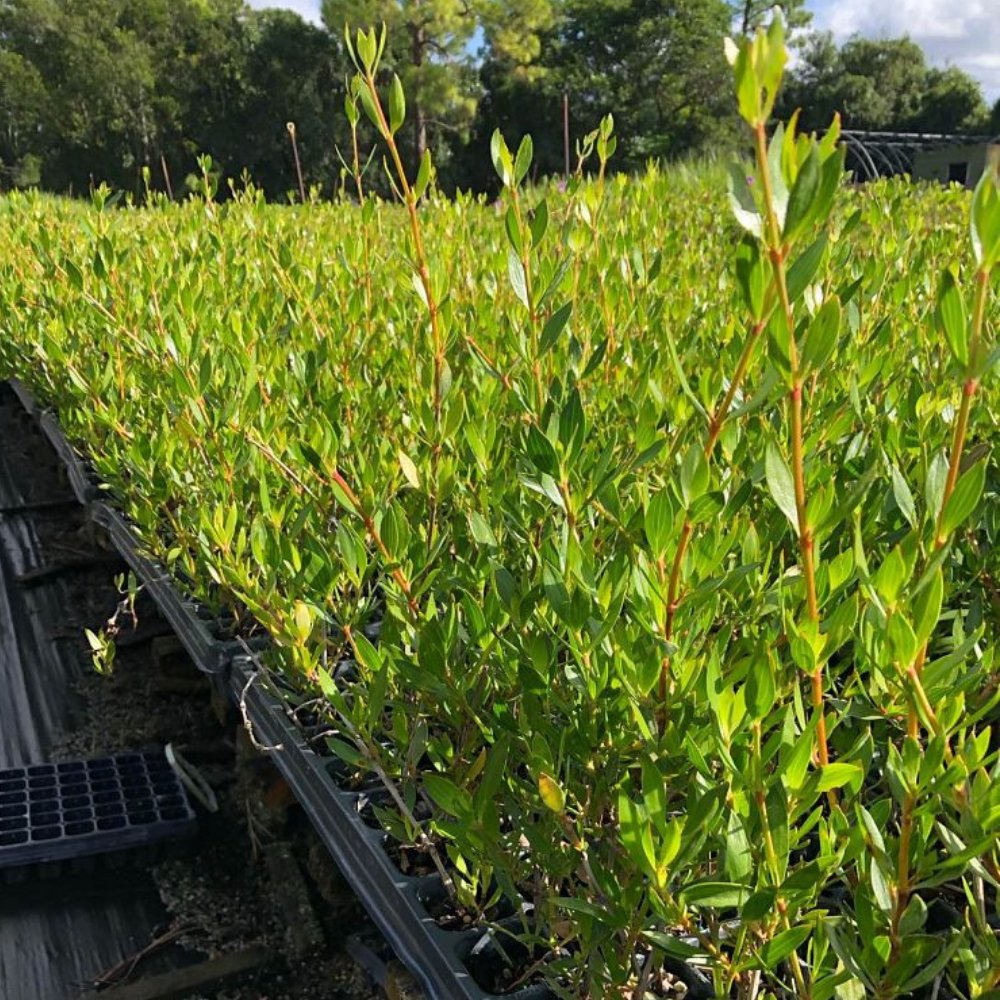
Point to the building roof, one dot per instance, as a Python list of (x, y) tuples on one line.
[(880, 154)]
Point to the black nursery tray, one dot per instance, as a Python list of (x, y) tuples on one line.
[(106, 805), (397, 903)]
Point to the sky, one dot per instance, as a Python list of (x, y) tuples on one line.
[(968, 35)]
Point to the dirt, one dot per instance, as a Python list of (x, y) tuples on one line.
[(220, 892)]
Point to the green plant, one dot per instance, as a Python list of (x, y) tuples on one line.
[(644, 548)]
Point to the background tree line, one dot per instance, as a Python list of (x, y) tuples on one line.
[(94, 90)]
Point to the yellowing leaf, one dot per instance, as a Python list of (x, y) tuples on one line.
[(552, 795), (302, 617), (409, 470)]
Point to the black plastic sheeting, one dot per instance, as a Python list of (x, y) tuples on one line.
[(55, 936)]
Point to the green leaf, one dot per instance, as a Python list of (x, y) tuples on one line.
[(804, 268), (347, 753), (572, 423), (963, 499), (941, 956), (671, 945), (926, 607), (781, 946), (747, 93), (779, 189), (503, 163), (795, 761), (539, 223), (694, 474), (522, 162), (739, 859), (303, 617), (742, 202), (801, 201), (771, 65), (914, 916), (880, 887), (717, 895), (751, 275), (951, 318), (409, 469), (760, 905), (515, 270), (937, 476), (554, 326), (902, 641), (423, 176), (654, 795), (760, 689), (453, 800), (839, 775), (368, 103), (636, 835), (903, 497), (513, 231), (780, 484), (892, 576), (541, 452), (74, 274), (822, 336), (659, 521), (678, 371), (481, 531), (552, 794), (397, 104), (985, 218)]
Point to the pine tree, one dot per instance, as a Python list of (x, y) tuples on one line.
[(431, 46)]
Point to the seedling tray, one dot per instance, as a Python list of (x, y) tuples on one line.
[(396, 902), (52, 813)]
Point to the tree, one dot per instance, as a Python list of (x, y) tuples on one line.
[(657, 65), (288, 71), (952, 102), (749, 15), (429, 44), (23, 110), (881, 85), (115, 84)]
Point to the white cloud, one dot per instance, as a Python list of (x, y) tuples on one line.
[(964, 33)]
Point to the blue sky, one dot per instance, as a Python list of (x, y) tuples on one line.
[(968, 35)]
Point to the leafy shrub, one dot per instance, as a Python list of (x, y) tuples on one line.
[(677, 533)]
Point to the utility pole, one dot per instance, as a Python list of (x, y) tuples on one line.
[(290, 126), (566, 132), (166, 177)]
